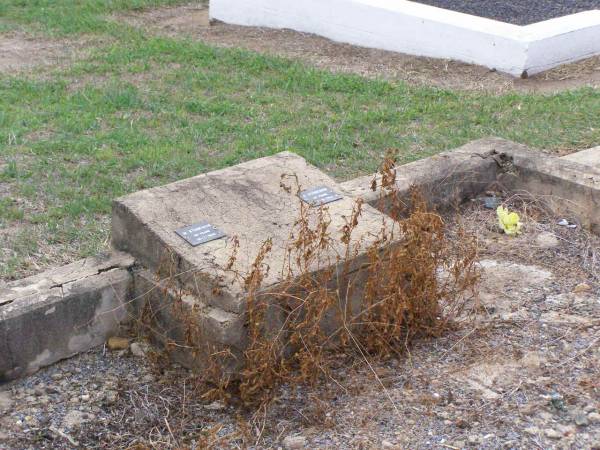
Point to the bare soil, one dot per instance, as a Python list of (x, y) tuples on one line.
[(524, 374), (20, 51), (192, 21)]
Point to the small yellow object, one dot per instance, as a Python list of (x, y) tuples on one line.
[(509, 221)]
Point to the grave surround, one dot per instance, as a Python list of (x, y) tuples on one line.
[(424, 30), (70, 309)]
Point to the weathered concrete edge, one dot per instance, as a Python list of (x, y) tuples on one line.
[(450, 178), (47, 322), (185, 326), (445, 180), (567, 187)]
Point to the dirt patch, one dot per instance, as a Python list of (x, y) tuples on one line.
[(19, 51), (192, 21)]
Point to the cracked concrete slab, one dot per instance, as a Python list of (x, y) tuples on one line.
[(54, 279), (253, 201), (445, 180), (62, 312)]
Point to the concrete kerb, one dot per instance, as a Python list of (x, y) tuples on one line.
[(569, 188), (445, 180), (71, 309), (423, 30), (62, 312)]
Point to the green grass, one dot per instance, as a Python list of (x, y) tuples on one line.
[(148, 110), (71, 16)]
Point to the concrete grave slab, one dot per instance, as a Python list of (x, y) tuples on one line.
[(589, 157), (166, 313), (253, 201), (195, 294), (570, 189), (445, 180)]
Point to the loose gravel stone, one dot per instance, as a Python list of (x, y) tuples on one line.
[(139, 349), (118, 343), (546, 240), (294, 442), (6, 401), (532, 431), (594, 417), (552, 434), (518, 12), (580, 418)]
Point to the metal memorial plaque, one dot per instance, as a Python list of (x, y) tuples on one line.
[(200, 233), (319, 195)]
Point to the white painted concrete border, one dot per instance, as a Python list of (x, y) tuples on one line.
[(417, 29)]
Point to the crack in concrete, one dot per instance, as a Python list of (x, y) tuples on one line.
[(98, 272)]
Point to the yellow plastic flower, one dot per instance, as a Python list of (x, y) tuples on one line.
[(509, 221)]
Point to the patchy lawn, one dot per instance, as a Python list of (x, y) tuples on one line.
[(137, 110)]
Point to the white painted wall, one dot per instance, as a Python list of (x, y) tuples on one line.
[(413, 28), (562, 40)]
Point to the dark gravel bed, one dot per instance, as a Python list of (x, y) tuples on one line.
[(518, 12)]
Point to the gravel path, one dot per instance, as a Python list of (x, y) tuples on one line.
[(518, 12)]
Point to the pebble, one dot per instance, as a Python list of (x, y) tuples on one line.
[(118, 343), (552, 434), (582, 287), (139, 349), (474, 439), (546, 240), (580, 418), (594, 417), (75, 418), (387, 444), (6, 401), (110, 397), (215, 406), (533, 431), (461, 423), (148, 378), (294, 442)]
